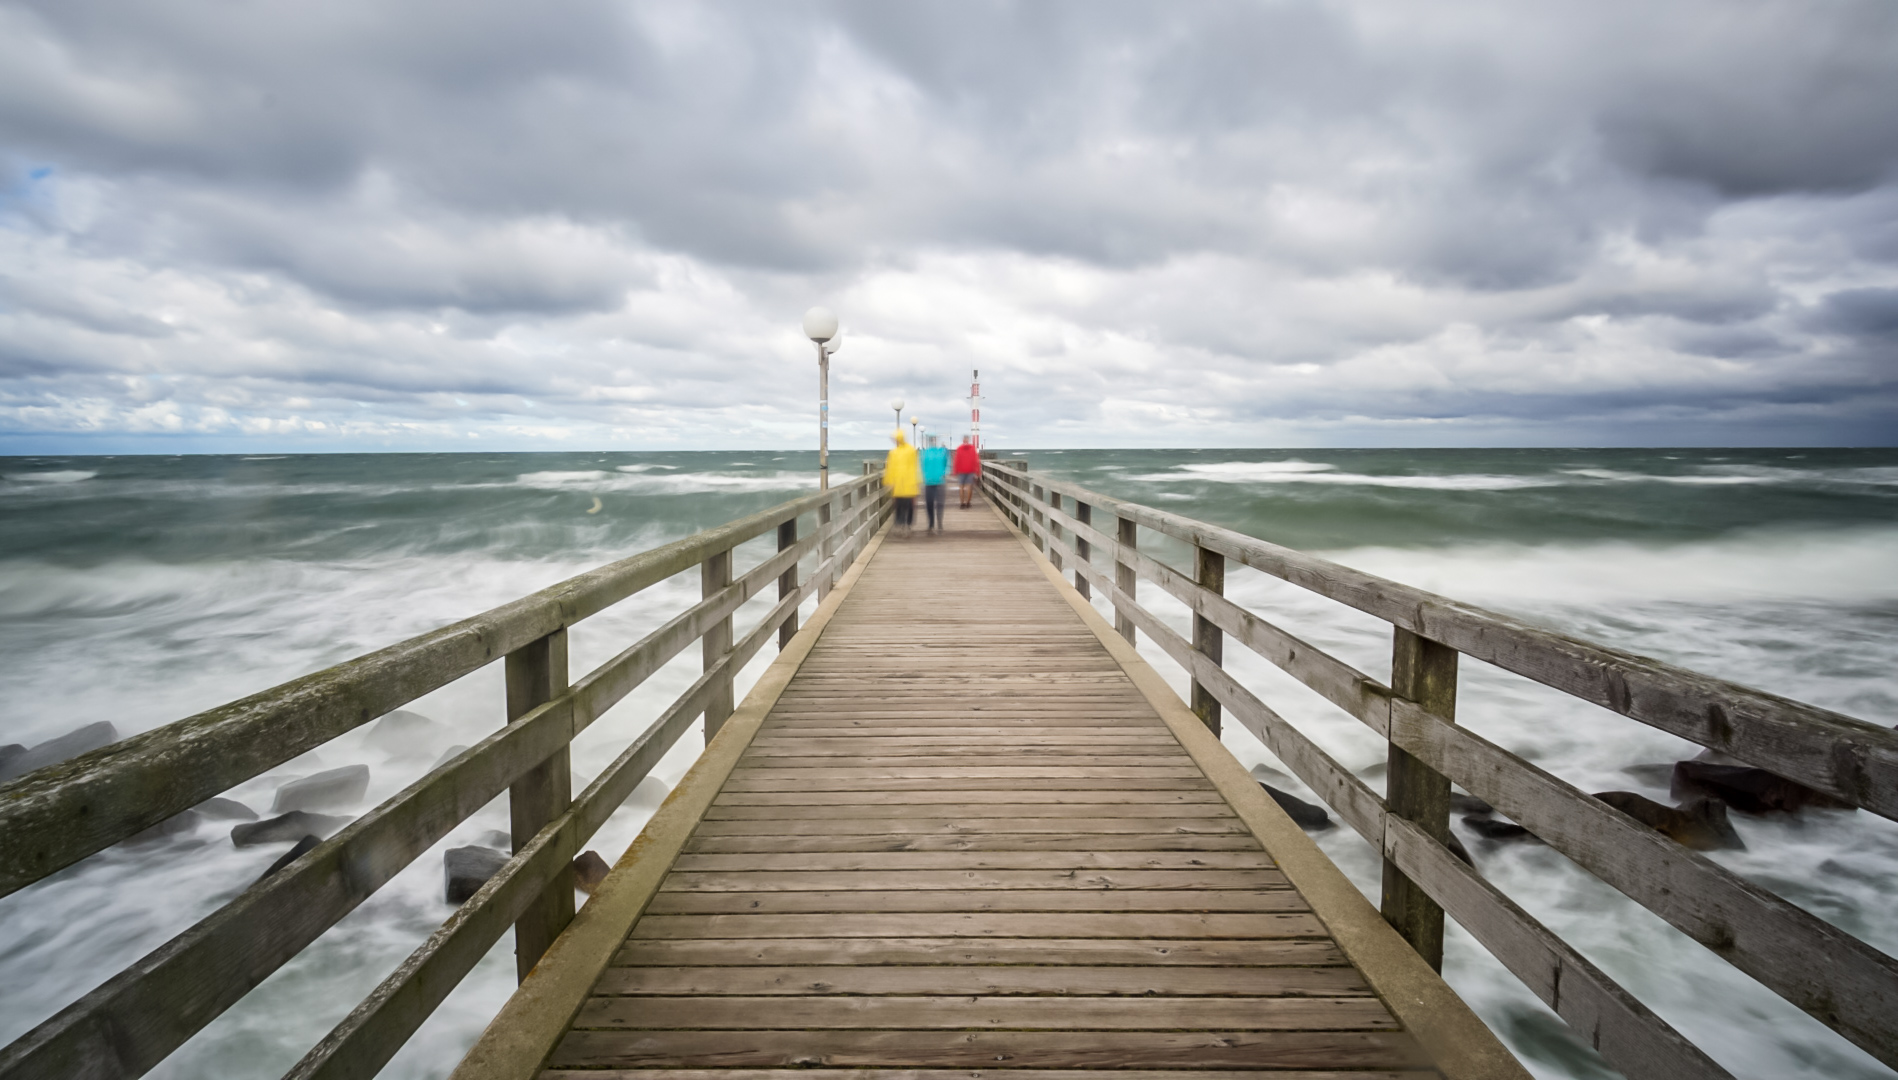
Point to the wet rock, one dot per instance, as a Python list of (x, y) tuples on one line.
[(448, 755), (1491, 828), (466, 869), (226, 810), (1469, 804), (54, 751), (1747, 789), (1455, 844), (1700, 824), (588, 871), (291, 826), (1657, 775), (303, 847), (496, 839), (1301, 812), (334, 789), (173, 826), (406, 733)]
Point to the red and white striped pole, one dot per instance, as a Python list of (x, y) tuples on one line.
[(975, 408)]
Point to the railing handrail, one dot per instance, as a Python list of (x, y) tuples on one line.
[(1841, 981), (55, 816), (1839, 755), (139, 1016)]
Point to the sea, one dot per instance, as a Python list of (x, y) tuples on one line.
[(140, 590)]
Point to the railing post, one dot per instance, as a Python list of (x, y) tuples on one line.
[(1126, 578), (825, 549), (1210, 572), (1083, 551), (1035, 496), (787, 582), (715, 574), (536, 673), (1422, 671), (1054, 530)]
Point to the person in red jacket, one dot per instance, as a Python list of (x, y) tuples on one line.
[(967, 463)]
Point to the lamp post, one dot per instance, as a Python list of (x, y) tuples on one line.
[(912, 432), (896, 406), (821, 327)]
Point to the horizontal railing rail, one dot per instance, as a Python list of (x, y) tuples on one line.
[(1842, 981), (139, 1016)]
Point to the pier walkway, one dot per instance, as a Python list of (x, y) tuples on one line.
[(959, 825)]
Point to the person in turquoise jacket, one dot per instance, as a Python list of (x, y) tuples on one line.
[(935, 480)]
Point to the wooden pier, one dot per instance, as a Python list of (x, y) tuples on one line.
[(963, 827)]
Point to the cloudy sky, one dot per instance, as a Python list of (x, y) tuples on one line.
[(244, 224)]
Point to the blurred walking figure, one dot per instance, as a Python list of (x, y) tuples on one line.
[(904, 477), (968, 463), (935, 474)]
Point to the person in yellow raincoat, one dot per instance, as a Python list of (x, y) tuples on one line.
[(903, 475)]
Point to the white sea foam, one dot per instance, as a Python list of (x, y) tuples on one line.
[(681, 483), (1307, 472), (59, 476)]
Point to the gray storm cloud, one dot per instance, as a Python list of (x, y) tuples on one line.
[(355, 225)]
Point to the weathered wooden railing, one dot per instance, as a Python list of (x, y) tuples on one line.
[(1845, 983), (59, 815)]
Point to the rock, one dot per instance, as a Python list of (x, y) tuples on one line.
[(1266, 774), (448, 755), (1469, 804), (175, 825), (588, 871), (54, 751), (1303, 813), (1660, 775), (466, 869), (1456, 847), (1490, 828), (1747, 789), (226, 810), (406, 733), (335, 789), (303, 848), (291, 826), (1700, 824), (497, 840)]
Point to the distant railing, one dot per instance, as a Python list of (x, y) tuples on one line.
[(53, 818), (1843, 982)]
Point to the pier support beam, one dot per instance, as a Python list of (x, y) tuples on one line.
[(1423, 671), (536, 674), (787, 582), (1083, 551), (1126, 578), (715, 573), (1210, 572)]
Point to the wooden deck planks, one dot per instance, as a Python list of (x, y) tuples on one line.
[(963, 840)]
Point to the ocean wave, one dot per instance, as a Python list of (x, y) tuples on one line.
[(600, 480), (59, 476), (1838, 566), (1309, 472), (1729, 475)]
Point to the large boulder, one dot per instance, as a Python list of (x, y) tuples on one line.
[(54, 751), (1700, 824), (179, 824), (292, 826), (1747, 789), (333, 789), (466, 869), (407, 734), (589, 869), (221, 809), (1304, 814), (302, 848)]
